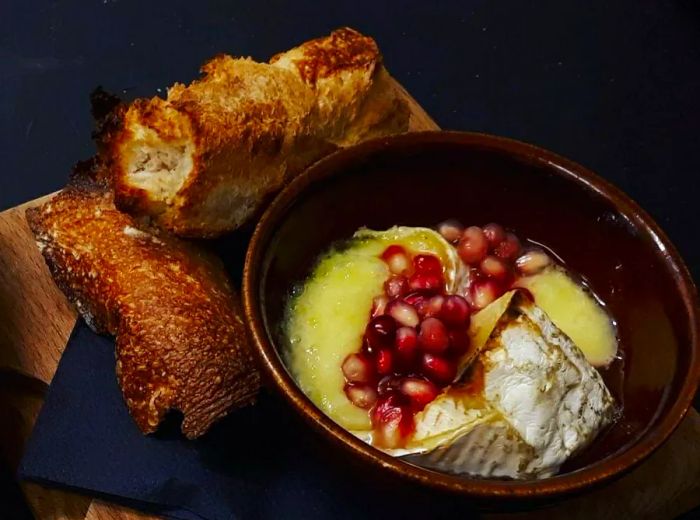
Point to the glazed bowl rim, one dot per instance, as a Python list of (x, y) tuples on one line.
[(595, 473)]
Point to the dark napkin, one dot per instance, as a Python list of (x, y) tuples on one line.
[(260, 462)]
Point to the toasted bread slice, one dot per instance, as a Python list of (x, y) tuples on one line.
[(204, 160), (180, 339)]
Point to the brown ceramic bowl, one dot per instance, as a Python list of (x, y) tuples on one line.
[(421, 179)]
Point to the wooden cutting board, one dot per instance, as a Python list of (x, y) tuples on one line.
[(35, 321)]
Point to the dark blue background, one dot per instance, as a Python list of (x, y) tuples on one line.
[(612, 85)]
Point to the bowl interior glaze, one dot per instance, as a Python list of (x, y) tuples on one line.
[(422, 179)]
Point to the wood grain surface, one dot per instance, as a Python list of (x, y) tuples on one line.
[(35, 321)]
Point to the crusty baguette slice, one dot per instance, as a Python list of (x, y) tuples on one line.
[(204, 160), (180, 340)]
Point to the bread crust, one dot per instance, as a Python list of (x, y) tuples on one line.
[(234, 137), (180, 339)]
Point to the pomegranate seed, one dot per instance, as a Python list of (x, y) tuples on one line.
[(427, 282), (433, 336), (422, 307), (388, 385), (403, 313), (395, 286), (362, 396), (357, 368), (380, 332), (438, 368), (392, 250), (387, 435), (459, 341), (384, 361), (451, 230), (455, 310), (473, 245), (419, 391), (414, 298), (397, 259), (378, 305), (433, 306), (483, 292), (494, 267), (418, 300), (406, 344), (387, 408), (392, 434), (428, 264), (392, 421), (365, 346), (494, 233), (508, 248), (532, 262), (476, 274)]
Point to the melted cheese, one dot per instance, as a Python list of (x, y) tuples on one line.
[(575, 311), (327, 318)]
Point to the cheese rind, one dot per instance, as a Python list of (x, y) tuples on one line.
[(543, 402), (490, 450), (540, 381)]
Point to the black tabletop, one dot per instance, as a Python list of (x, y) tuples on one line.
[(612, 85)]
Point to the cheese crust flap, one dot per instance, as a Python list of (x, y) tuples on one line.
[(542, 402)]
